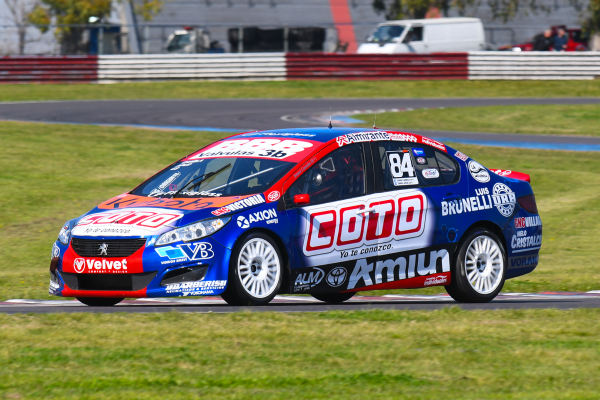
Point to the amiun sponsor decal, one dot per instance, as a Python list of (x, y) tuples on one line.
[(502, 197), (528, 222), (367, 273), (240, 204)]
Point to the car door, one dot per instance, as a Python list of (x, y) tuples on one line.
[(328, 230), (419, 179)]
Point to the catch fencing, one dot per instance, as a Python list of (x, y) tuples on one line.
[(301, 66)]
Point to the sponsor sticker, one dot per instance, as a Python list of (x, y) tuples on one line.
[(526, 261), (198, 288), (461, 156), (307, 280), (184, 252), (269, 216), (528, 222), (336, 277), (501, 172), (430, 173), (273, 196), (433, 143), (402, 168), (279, 149), (526, 242), (92, 266), (169, 180), (478, 172), (55, 250), (124, 222), (418, 152), (240, 204), (502, 197), (435, 280), (421, 160)]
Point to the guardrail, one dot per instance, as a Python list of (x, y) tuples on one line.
[(301, 66), (48, 69), (541, 65)]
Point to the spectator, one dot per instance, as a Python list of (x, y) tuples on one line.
[(543, 42), (560, 41)]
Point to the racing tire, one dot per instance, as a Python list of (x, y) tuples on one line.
[(99, 301), (479, 270), (333, 298), (255, 271)]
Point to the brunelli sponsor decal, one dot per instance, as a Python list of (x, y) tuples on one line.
[(240, 205), (478, 172), (279, 149), (356, 228), (528, 222), (128, 222), (502, 198), (402, 168)]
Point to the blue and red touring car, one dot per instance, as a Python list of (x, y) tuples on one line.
[(326, 212)]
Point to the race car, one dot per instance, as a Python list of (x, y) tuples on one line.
[(327, 212)]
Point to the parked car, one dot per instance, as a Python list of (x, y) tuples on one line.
[(190, 40), (326, 212), (577, 40), (426, 36)]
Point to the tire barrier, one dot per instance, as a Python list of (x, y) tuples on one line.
[(301, 66), (48, 69)]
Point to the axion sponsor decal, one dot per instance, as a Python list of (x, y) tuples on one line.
[(402, 168), (307, 280), (528, 222), (367, 273), (260, 148), (371, 222), (478, 172), (461, 156), (91, 265), (144, 219), (184, 252), (526, 261), (269, 216), (199, 288), (522, 242), (433, 143), (240, 205), (502, 197), (430, 173)]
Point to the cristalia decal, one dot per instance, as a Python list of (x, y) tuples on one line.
[(73, 262)]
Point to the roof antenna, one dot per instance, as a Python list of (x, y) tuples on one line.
[(375, 121), (330, 126)]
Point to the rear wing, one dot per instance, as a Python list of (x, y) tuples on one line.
[(512, 174)]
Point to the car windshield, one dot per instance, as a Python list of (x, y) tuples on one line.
[(179, 42), (215, 177), (386, 33)]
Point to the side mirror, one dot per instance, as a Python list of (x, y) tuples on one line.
[(302, 199)]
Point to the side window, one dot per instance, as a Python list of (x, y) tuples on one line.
[(337, 176), (448, 167), (405, 165), (415, 34)]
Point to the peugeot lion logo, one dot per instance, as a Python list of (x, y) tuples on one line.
[(103, 249)]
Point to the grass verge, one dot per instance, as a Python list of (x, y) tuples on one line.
[(581, 120), (454, 354), (52, 173), (299, 89)]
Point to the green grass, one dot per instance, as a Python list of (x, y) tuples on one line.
[(581, 120), (449, 354), (299, 89), (52, 173)]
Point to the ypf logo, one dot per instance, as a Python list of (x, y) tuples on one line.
[(243, 222), (79, 265), (273, 196), (337, 276)]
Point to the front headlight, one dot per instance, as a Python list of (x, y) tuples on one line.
[(194, 231), (65, 234)]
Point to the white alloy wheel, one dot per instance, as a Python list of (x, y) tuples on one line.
[(259, 268), (484, 265)]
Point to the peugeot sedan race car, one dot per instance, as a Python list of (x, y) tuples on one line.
[(327, 212)]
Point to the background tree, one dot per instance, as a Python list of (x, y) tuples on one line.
[(19, 12)]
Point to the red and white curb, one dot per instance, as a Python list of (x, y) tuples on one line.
[(305, 299)]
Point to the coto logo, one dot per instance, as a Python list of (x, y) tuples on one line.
[(273, 196), (142, 219), (372, 222), (79, 265)]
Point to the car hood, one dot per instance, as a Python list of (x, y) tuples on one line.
[(140, 216)]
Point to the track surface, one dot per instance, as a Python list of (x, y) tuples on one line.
[(308, 304)]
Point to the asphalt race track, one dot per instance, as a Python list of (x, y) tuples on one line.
[(308, 304)]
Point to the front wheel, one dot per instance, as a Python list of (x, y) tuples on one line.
[(255, 271), (333, 297), (99, 301), (479, 271)]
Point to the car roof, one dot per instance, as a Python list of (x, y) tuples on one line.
[(315, 134)]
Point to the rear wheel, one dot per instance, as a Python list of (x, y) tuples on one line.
[(333, 297), (255, 271), (479, 271), (99, 301)]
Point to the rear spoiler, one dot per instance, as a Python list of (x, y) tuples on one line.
[(512, 174)]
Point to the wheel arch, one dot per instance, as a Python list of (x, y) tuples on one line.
[(487, 225)]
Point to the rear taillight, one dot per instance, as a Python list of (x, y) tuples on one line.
[(528, 203)]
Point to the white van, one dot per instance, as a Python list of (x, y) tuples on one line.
[(426, 36)]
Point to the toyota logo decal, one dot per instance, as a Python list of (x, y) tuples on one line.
[(337, 276)]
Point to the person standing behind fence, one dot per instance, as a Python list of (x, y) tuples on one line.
[(543, 42), (560, 41)]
